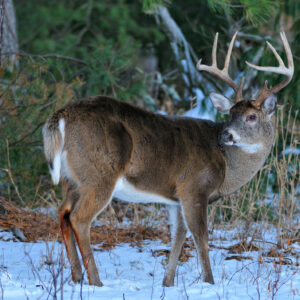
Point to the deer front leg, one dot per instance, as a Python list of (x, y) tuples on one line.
[(195, 213), (178, 238)]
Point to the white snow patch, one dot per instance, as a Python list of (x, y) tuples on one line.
[(198, 111), (134, 273), (293, 150)]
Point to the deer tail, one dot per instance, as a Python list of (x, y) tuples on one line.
[(54, 135)]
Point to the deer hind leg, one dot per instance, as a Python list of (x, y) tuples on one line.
[(92, 201), (195, 214), (69, 199), (178, 238)]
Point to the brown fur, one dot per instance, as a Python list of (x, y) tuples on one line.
[(180, 159)]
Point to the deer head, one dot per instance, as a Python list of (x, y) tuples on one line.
[(251, 121)]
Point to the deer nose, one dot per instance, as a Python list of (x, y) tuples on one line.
[(226, 136)]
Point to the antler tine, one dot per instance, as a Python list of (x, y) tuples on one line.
[(239, 93), (288, 52), (214, 51), (227, 59), (222, 74), (281, 69)]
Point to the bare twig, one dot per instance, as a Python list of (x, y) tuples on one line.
[(2, 290), (26, 135), (252, 37), (49, 55), (2, 8)]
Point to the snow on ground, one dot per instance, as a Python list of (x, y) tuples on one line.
[(30, 271)]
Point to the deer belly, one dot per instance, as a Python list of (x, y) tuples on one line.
[(128, 192)]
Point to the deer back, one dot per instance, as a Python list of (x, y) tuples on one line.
[(155, 153)]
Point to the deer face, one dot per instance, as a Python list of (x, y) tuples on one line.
[(249, 126)]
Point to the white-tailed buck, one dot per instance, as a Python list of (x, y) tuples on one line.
[(102, 148)]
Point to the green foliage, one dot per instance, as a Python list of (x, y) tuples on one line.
[(259, 11), (255, 11), (149, 4), (220, 5), (28, 99), (105, 35)]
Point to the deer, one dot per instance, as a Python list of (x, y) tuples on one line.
[(101, 148)]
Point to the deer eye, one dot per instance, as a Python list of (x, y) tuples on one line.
[(251, 118)]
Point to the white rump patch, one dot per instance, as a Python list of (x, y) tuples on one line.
[(55, 171), (127, 192)]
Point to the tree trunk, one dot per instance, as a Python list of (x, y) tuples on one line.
[(187, 60), (9, 40)]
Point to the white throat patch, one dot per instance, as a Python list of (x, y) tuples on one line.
[(249, 148)]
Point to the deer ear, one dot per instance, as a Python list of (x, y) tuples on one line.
[(270, 104), (221, 103)]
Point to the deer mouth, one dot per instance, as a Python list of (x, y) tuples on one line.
[(229, 138)]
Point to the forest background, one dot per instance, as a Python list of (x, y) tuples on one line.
[(144, 52)]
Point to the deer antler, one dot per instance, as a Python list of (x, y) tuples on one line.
[(281, 69), (222, 74)]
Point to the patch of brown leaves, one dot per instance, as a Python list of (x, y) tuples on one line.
[(241, 247), (39, 226), (109, 236), (35, 226)]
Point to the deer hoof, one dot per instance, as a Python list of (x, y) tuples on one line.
[(167, 282), (99, 283), (96, 282), (209, 279), (77, 277)]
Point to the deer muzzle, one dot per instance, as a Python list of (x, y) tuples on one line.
[(227, 137)]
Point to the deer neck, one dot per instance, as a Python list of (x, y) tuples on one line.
[(241, 166)]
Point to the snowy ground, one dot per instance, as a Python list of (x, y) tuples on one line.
[(33, 271)]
